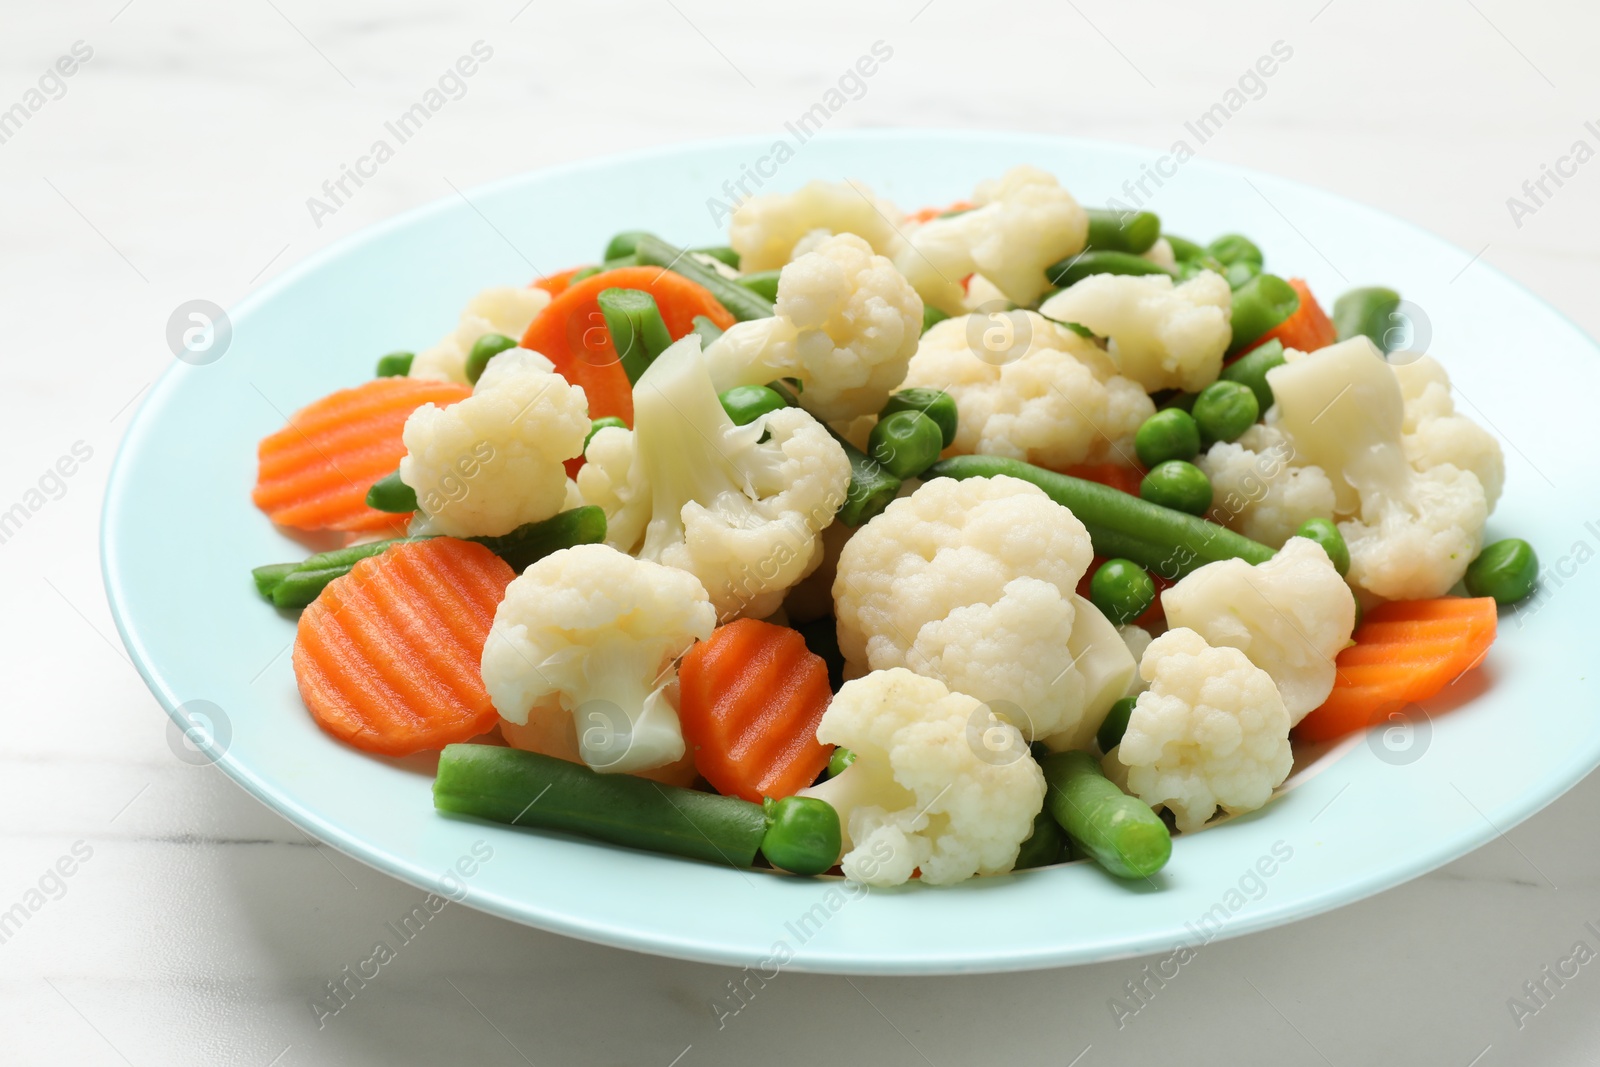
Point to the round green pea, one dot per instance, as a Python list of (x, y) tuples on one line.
[(484, 349), (1326, 534), (1122, 590), (1506, 570), (747, 403), (803, 835), (842, 757), (1115, 724), (1168, 434), (906, 443), (1177, 485), (600, 424), (1224, 410), (937, 404)]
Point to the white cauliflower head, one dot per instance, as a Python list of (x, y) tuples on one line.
[(937, 784), (1053, 398), (1210, 732), (1163, 336), (1258, 491), (1411, 534), (492, 462), (740, 513), (1434, 434), (1290, 615), (846, 325), (972, 582), (766, 229), (1024, 221), (592, 633), (506, 310)]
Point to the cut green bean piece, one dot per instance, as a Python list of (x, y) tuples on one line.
[(596, 425), (764, 283), (1188, 268), (706, 330), (741, 303), (871, 487), (581, 273), (1251, 369), (638, 333), (1260, 304), (1043, 846), (1233, 248), (1120, 832), (747, 403), (623, 244), (395, 364), (1081, 266), (268, 576), (533, 541), (1122, 231), (1325, 533), (721, 253), (1368, 312), (389, 493), (508, 785), (619, 263), (1115, 724), (1183, 248), (842, 757)]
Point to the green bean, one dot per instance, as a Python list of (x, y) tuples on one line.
[(1507, 570), (1122, 231), (1233, 248), (1120, 832), (1122, 590), (1076, 268), (905, 443), (1178, 485), (842, 757), (803, 834), (1368, 312), (1188, 268), (389, 493), (619, 263), (583, 272), (1115, 724), (509, 785), (764, 283), (305, 580), (721, 253), (1260, 304), (1170, 433), (1238, 274), (602, 423), (747, 403), (533, 541), (707, 330), (484, 349), (781, 387), (637, 330), (269, 575), (623, 244), (395, 364), (1043, 846), (741, 303), (1224, 410), (1251, 369), (1183, 249), (871, 487), (937, 404), (931, 316), (1165, 542), (1326, 534), (1175, 400)]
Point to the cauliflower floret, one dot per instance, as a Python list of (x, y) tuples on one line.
[(845, 325), (1211, 731), (1024, 222), (1138, 639), (1060, 402), (973, 583), (1257, 490), (766, 229), (938, 784), (690, 489), (488, 464), (1161, 254), (505, 310), (1435, 434), (1411, 534), (1290, 615), (592, 633), (1163, 336)]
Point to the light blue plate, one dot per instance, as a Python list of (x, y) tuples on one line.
[(180, 536)]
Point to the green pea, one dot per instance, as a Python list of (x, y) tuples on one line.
[(1177, 485), (1506, 570), (1122, 590), (600, 424), (1224, 410), (484, 349), (747, 403), (1326, 534), (395, 364), (803, 835), (937, 404), (1233, 248), (842, 757), (1168, 434), (1115, 724), (1043, 846), (906, 443), (1251, 369)]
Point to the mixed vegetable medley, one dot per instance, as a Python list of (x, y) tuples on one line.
[(920, 545)]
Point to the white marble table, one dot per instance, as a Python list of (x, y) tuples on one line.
[(196, 926)]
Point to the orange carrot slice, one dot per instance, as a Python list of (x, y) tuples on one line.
[(387, 657), (314, 473), (572, 332), (1405, 651), (1308, 329), (751, 696), (556, 284)]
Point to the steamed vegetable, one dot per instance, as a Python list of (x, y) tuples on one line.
[(1120, 832), (1506, 570)]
